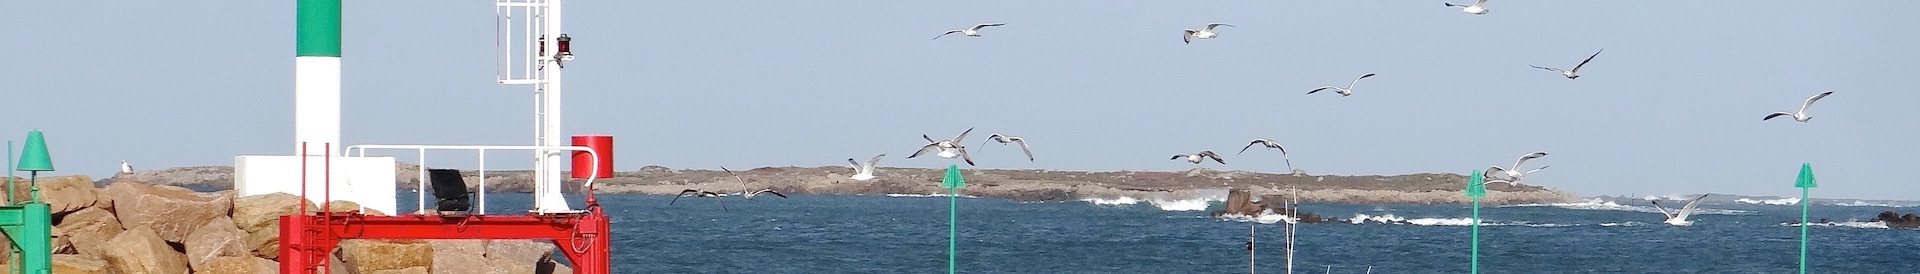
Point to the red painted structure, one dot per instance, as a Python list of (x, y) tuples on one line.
[(307, 239)]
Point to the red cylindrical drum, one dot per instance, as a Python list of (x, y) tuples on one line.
[(583, 161)]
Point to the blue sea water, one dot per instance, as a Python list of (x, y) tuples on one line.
[(882, 234)]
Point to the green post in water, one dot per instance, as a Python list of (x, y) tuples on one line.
[(953, 183), (1476, 189), (1804, 183)]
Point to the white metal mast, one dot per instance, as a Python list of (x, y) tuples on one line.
[(531, 53)]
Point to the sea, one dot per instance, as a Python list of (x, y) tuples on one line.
[(909, 233)]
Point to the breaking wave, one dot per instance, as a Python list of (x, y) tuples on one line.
[(1602, 204), (1780, 201), (1363, 218), (1264, 218), (1192, 200), (1873, 204), (1851, 224)]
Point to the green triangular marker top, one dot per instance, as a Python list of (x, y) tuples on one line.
[(953, 179), (1476, 185), (1806, 176)]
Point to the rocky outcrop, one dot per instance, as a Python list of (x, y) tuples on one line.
[(259, 217), (459, 257), (78, 264), (517, 256), (1240, 202), (218, 238), (239, 265), (409, 270), (67, 193), (172, 213), (1895, 220), (140, 250), (367, 256), (89, 230)]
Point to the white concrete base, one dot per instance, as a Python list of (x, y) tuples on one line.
[(368, 181)]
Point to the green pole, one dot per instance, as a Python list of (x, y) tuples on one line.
[(953, 182), (1805, 182), (9, 198), (1476, 189)]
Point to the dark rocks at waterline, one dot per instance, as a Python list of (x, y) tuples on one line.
[(1895, 220), (1240, 202)]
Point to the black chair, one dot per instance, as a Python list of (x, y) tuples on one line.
[(450, 194)]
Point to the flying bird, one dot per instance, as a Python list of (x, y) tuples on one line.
[(1196, 158), (1478, 7), (1801, 115), (1514, 174), (125, 168), (864, 172), (1004, 139), (1679, 217), (1204, 33), (948, 148), (746, 192), (1344, 92), (969, 32), (1270, 144), (1575, 72), (695, 192)]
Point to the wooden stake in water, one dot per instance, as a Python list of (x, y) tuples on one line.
[(1805, 182), (953, 183)]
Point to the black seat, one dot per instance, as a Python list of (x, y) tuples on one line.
[(450, 192)]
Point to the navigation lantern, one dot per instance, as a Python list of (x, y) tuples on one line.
[(566, 47)]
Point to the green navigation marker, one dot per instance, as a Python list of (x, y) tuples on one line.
[(28, 223), (1805, 182), (953, 183), (1476, 189)]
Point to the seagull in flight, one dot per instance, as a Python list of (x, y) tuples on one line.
[(1004, 139), (1344, 92), (1204, 33), (948, 148), (746, 192), (864, 172), (1196, 158), (1801, 115), (969, 32), (1478, 7), (1679, 217), (125, 168), (1514, 174), (695, 192), (1571, 73), (1270, 144)]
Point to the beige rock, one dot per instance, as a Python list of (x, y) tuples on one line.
[(511, 266), (218, 238), (140, 250), (367, 256), (60, 243), (78, 264), (409, 270), (551, 267), (459, 257), (67, 193), (172, 213), (239, 265), (528, 251), (347, 206), (89, 230), (259, 216)]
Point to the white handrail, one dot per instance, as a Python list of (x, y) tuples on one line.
[(421, 203)]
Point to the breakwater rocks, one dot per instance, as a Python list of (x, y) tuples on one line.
[(135, 227), (1240, 202), (1895, 220)]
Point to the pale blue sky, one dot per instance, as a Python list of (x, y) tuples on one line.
[(1672, 106)]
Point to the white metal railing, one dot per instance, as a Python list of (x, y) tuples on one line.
[(421, 203), (519, 26)]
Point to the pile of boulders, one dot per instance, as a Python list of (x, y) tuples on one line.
[(1895, 220), (134, 227), (1240, 202)]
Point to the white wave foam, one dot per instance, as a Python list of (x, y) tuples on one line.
[(935, 195), (1852, 224), (1112, 202), (1622, 224), (1190, 200), (1266, 217), (1780, 201), (1361, 218), (1181, 205), (1602, 204), (1858, 203)]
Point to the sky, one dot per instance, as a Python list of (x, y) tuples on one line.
[(1672, 106)]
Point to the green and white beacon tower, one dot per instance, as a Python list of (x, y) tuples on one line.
[(316, 127)]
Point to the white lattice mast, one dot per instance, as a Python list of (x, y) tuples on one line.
[(529, 56)]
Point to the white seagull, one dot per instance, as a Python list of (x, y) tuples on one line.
[(1344, 92), (125, 168), (1478, 7), (1679, 217), (1270, 144), (1004, 139), (1196, 158), (969, 32), (1802, 114), (1514, 174), (746, 192), (948, 148), (1205, 33), (701, 193), (864, 172), (1571, 73)]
